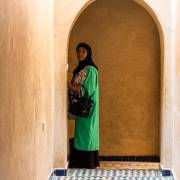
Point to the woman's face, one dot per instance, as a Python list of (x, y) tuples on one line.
[(81, 53)]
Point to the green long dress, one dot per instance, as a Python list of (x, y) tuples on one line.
[(86, 135)]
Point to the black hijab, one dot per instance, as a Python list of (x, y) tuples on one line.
[(87, 61)]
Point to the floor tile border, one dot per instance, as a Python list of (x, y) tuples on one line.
[(130, 158)]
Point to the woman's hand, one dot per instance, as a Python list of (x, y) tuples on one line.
[(74, 87)]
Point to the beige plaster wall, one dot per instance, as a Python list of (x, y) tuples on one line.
[(126, 48), (26, 69), (162, 11), (66, 13), (176, 154), (60, 85)]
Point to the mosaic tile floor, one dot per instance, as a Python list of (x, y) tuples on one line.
[(117, 171)]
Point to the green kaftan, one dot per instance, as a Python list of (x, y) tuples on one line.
[(86, 135)]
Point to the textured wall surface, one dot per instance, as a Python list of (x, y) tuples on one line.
[(126, 48), (176, 154), (60, 85), (26, 131)]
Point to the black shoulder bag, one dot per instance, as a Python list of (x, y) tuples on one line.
[(79, 105)]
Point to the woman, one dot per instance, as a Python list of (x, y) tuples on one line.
[(85, 145)]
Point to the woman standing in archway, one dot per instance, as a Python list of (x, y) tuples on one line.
[(85, 146)]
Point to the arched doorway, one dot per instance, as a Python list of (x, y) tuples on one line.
[(126, 46)]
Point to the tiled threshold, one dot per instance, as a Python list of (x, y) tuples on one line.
[(116, 171), (113, 174), (118, 168)]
